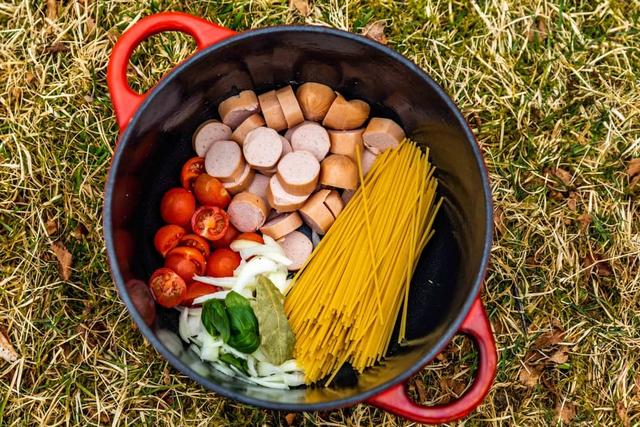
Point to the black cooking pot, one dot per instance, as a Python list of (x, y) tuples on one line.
[(155, 140)]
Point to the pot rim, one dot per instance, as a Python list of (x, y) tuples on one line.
[(148, 333)]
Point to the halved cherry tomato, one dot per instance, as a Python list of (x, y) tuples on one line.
[(197, 289), (222, 263), (254, 237), (210, 191), (229, 236), (177, 206), (195, 241), (186, 262), (167, 287), (191, 171), (210, 222), (167, 238)]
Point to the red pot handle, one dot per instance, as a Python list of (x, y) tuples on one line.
[(396, 400), (125, 101)]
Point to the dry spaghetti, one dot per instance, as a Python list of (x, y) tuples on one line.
[(344, 302)]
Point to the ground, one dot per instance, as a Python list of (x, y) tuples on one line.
[(551, 90)]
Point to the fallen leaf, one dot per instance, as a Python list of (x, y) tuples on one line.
[(302, 6), (598, 265), (420, 388), (80, 231), (584, 220), (538, 29), (7, 352), (57, 47), (565, 412), (634, 181), (51, 226), (375, 31), (64, 259), (563, 175), (30, 77), (498, 220), (634, 168), (90, 24), (556, 195), (166, 376), (621, 410), (530, 375), (572, 201), (290, 418), (52, 9), (549, 339), (452, 385), (560, 356)]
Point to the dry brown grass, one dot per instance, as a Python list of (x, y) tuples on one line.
[(552, 91)]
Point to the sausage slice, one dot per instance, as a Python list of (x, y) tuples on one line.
[(346, 142), (280, 199), (286, 146), (289, 105), (339, 171), (224, 161), (345, 115), (271, 110), (317, 211), (298, 172), (281, 225), (242, 183), (247, 212), (382, 134), (262, 148), (297, 247), (208, 133), (311, 137), (234, 110), (367, 161), (259, 186), (250, 123), (315, 100)]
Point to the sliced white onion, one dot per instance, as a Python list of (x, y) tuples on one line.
[(196, 350), (224, 369), (223, 282), (215, 295), (257, 265), (294, 379), (266, 251), (272, 382), (170, 340), (315, 238), (279, 279), (210, 353), (251, 367), (183, 327), (238, 245), (228, 349)]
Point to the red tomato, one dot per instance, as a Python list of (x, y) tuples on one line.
[(229, 236), (167, 238), (167, 288), (197, 242), (254, 237), (191, 171), (210, 191), (197, 289), (177, 206), (186, 262), (210, 222), (222, 263)]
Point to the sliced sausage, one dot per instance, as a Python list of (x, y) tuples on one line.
[(298, 172), (235, 110), (347, 195), (251, 122), (346, 142), (290, 131), (262, 148), (311, 137), (272, 111), (286, 146), (367, 161), (224, 160), (259, 186), (242, 183), (281, 225), (208, 133), (316, 213), (339, 171), (335, 203), (297, 247), (281, 200), (247, 212), (315, 100), (345, 115), (289, 105), (382, 134)]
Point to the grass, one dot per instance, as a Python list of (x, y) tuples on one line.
[(552, 91)]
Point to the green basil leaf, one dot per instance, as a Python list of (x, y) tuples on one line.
[(232, 360), (215, 319), (277, 338), (245, 336)]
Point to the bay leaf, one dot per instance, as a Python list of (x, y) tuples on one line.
[(276, 337)]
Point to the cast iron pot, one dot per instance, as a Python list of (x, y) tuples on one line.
[(155, 140)]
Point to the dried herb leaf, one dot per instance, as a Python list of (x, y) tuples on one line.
[(277, 338)]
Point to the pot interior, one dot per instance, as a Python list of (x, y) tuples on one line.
[(158, 141)]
